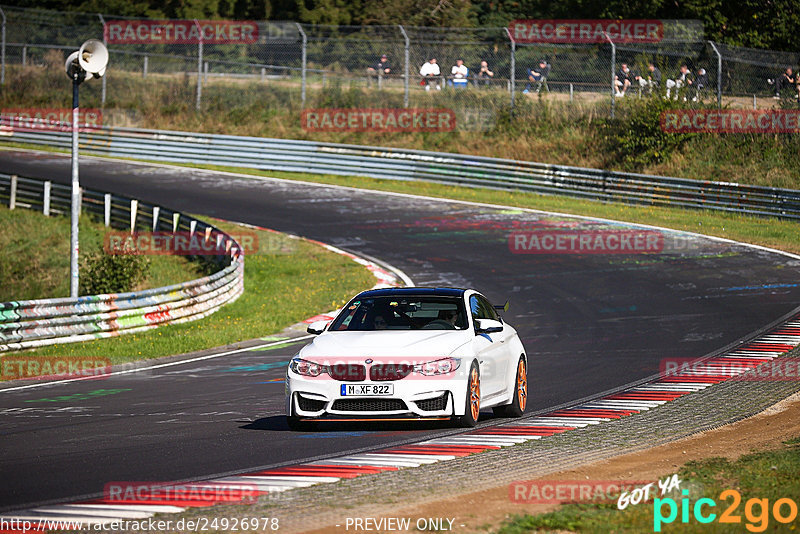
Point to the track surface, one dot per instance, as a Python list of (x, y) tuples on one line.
[(589, 323)]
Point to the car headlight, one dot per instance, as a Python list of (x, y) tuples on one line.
[(438, 367), (307, 368)]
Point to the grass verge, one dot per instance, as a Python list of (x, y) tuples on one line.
[(35, 259), (764, 476), (286, 282)]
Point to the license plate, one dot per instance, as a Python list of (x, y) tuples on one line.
[(363, 390)]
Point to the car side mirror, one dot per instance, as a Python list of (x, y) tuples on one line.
[(317, 327), (488, 326)]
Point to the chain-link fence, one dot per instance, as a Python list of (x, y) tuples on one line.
[(479, 72)]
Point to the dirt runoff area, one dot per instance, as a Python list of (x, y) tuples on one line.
[(485, 510)]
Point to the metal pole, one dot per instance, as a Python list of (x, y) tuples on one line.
[(103, 90), (719, 74), (199, 65), (613, 68), (513, 75), (3, 50), (76, 189), (144, 68), (406, 71), (303, 60)]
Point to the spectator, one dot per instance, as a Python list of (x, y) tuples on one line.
[(684, 79), (484, 74), (786, 79), (622, 80), (381, 69), (652, 79), (700, 83), (460, 74), (430, 74), (538, 76)]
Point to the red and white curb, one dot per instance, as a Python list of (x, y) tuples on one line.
[(740, 360)]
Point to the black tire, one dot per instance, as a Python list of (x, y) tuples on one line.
[(520, 398), (472, 403)]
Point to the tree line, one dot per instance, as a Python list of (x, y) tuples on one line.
[(770, 24)]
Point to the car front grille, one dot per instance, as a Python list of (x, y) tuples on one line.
[(310, 405), (348, 372), (390, 371), (369, 405), (436, 404)]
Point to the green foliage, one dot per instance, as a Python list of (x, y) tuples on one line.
[(637, 140), (103, 273)]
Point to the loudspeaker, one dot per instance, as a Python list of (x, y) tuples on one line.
[(72, 64), (93, 57)]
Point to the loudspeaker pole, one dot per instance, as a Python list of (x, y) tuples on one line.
[(78, 76), (91, 59)]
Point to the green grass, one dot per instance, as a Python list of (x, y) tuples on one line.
[(768, 475), (287, 281), (35, 259)]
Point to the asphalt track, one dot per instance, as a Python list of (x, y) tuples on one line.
[(589, 322)]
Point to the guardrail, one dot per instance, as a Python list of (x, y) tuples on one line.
[(402, 164), (36, 323)]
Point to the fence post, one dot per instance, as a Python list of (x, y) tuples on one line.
[(24, 55), (303, 60), (570, 91), (513, 76), (12, 199), (134, 209), (3, 50), (199, 65), (144, 67), (156, 212), (103, 88), (107, 209), (46, 201), (719, 74), (405, 61), (205, 71), (613, 68)]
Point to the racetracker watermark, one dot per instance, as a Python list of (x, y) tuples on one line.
[(564, 491), (586, 242), (195, 492), (53, 367), (731, 121), (752, 367), (180, 31), (586, 31), (50, 118), (378, 120), (180, 243)]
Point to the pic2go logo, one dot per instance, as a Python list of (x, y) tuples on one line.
[(756, 511)]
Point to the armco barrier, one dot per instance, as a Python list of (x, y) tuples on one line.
[(36, 323), (395, 163)]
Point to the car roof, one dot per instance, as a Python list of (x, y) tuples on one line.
[(414, 291)]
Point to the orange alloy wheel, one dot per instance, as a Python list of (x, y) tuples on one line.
[(522, 385), (474, 394)]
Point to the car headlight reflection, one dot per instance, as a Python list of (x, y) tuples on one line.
[(438, 367), (307, 368)]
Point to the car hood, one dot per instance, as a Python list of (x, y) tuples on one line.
[(415, 344)]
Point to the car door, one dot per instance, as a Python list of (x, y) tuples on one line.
[(489, 348)]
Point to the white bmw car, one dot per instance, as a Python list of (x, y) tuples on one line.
[(409, 353)]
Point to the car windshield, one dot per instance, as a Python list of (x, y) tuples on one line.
[(402, 313)]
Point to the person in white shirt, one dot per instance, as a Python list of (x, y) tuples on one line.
[(459, 73), (430, 74)]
